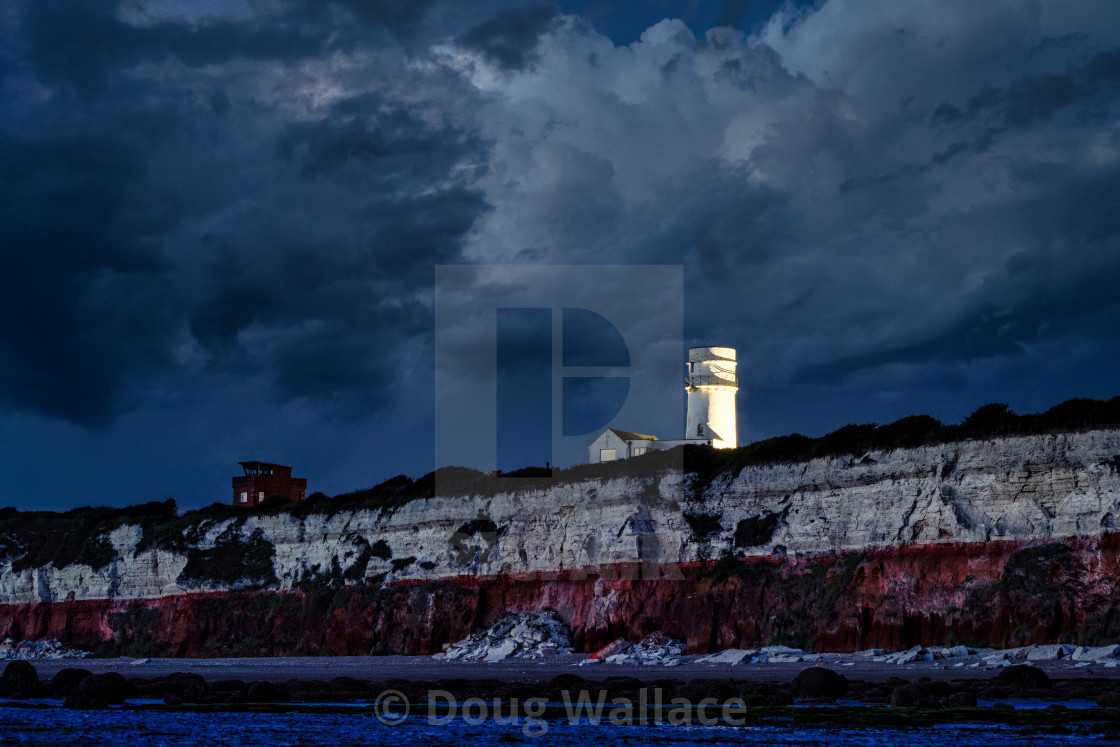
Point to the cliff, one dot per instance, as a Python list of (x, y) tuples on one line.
[(995, 540)]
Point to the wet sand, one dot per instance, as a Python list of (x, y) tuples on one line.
[(425, 668)]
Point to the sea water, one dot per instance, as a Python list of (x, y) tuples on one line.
[(123, 727)]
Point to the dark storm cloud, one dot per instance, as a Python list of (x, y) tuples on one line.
[(370, 141), (1104, 67), (1055, 292), (852, 201), (83, 40), (1039, 97), (357, 289), (214, 208), (125, 267), (1036, 97), (402, 16), (510, 38), (1054, 313), (78, 211)]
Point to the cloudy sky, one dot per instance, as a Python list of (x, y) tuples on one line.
[(220, 220)]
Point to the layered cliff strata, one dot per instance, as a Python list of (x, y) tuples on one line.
[(916, 533), (999, 593)]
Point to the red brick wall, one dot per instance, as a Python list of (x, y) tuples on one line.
[(292, 487)]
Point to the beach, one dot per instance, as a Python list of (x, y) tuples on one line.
[(384, 668)]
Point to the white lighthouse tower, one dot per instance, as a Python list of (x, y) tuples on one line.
[(711, 385)]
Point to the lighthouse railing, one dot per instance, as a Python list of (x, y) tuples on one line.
[(711, 380)]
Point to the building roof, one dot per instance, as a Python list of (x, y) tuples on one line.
[(259, 465), (629, 436)]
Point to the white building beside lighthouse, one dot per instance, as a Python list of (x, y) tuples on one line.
[(711, 385)]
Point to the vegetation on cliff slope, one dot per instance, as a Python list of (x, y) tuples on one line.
[(33, 539), (812, 594), (754, 531), (234, 562)]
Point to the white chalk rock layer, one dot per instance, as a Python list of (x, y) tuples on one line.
[(1021, 488)]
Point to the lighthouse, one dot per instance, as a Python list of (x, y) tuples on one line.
[(711, 386)]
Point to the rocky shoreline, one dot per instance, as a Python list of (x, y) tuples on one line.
[(1016, 694)]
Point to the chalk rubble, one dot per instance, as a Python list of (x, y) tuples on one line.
[(655, 648), (11, 650), (786, 655), (519, 636)]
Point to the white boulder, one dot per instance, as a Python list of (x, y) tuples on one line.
[(1048, 653), (730, 657), (1099, 653)]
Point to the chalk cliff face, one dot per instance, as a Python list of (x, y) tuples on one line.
[(1022, 488), (570, 540)]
